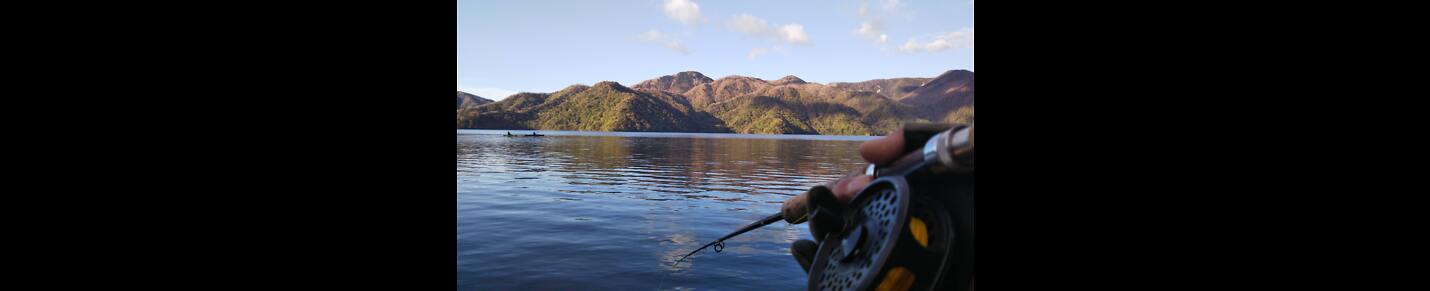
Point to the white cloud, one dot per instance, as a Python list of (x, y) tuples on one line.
[(655, 36), (685, 11), (762, 51), (871, 25), (793, 33), (872, 30), (750, 25), (962, 38), (759, 28), (677, 47)]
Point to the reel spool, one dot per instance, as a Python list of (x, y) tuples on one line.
[(888, 238)]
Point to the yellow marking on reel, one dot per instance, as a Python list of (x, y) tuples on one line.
[(920, 232), (898, 279)]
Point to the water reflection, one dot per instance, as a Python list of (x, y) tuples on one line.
[(612, 211), (759, 170)]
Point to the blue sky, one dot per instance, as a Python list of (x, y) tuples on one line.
[(509, 46)]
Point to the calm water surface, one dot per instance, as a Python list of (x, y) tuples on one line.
[(611, 211)]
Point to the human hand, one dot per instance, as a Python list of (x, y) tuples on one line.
[(879, 152)]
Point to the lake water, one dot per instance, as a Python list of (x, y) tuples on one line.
[(611, 211)]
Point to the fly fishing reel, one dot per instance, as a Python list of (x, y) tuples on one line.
[(909, 229), (890, 238)]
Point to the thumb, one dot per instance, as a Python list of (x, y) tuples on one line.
[(846, 188)]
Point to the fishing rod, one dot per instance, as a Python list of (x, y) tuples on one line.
[(720, 243), (910, 228)]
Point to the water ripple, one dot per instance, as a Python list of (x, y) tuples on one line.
[(612, 211)]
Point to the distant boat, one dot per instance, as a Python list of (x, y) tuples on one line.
[(508, 134)]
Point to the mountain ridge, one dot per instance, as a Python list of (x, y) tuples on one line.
[(468, 99), (678, 83), (689, 101), (943, 95)]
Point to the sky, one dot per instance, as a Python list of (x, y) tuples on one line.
[(510, 46)]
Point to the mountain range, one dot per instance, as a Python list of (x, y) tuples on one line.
[(692, 102)]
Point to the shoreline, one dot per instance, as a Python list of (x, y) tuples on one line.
[(519, 132)]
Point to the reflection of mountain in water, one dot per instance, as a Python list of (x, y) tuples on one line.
[(674, 168)]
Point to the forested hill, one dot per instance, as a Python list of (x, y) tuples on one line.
[(693, 102)]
